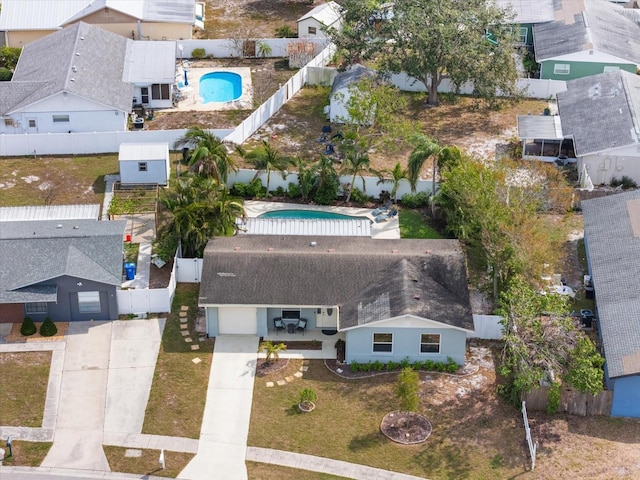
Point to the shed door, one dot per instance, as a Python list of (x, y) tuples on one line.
[(237, 321)]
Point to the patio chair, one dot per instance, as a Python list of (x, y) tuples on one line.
[(384, 216), (381, 209), (278, 324), (302, 325)]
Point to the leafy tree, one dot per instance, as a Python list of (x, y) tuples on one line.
[(356, 163), (266, 158), (199, 208), (9, 57), (271, 350), (408, 388), (394, 176), (209, 156), (328, 182), (307, 176), (543, 343), (466, 41)]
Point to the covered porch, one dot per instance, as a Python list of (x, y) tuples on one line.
[(542, 139), (328, 343)]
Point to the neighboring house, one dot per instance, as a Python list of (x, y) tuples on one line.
[(24, 21), (84, 79), (601, 113), (587, 37), (339, 96), (323, 16), (50, 212), (527, 14), (144, 163), (68, 270), (393, 298), (612, 239)]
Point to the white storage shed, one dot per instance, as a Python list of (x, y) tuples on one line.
[(144, 163)]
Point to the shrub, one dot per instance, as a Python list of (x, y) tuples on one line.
[(308, 395), (294, 190), (358, 196), (255, 189), (377, 366), (285, 31), (239, 189), (626, 183), (407, 389), (554, 398), (429, 365), (392, 365), (280, 192), (5, 74), (405, 362), (328, 191), (28, 328), (452, 366), (198, 53), (410, 200), (417, 365), (355, 366), (48, 328)]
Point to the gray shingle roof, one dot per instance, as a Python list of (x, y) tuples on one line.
[(601, 111), (614, 256), (353, 74), (370, 280), (31, 253), (82, 60), (603, 27)]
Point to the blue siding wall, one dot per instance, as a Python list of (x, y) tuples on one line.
[(308, 313), (263, 327), (626, 397), (406, 343), (212, 321)]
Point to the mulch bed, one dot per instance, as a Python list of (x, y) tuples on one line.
[(303, 345), (16, 337), (343, 370), (264, 368), (407, 428)]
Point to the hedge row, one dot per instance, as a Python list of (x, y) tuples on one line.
[(449, 366)]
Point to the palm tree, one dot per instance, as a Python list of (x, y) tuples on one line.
[(271, 350), (424, 149), (266, 159), (209, 156), (396, 175), (226, 209), (307, 176), (356, 163)]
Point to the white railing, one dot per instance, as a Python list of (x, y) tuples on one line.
[(147, 300), (85, 143), (269, 108), (532, 446)]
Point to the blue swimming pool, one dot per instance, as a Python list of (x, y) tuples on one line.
[(308, 214), (220, 87)]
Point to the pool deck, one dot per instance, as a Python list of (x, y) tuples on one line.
[(387, 229), (193, 102)]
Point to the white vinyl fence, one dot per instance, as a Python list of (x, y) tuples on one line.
[(85, 143), (487, 327), (188, 270), (230, 48), (148, 300)]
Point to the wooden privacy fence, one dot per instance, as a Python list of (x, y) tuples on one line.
[(572, 401)]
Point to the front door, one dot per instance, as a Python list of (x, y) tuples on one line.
[(32, 125)]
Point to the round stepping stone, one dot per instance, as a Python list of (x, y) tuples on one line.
[(188, 339)]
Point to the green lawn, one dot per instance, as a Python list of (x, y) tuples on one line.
[(414, 224), (54, 180), (24, 377), (26, 454), (179, 389)]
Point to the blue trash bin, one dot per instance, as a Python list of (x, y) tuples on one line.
[(130, 270)]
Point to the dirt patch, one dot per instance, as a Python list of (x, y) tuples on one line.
[(303, 345), (159, 277), (264, 368), (407, 428)]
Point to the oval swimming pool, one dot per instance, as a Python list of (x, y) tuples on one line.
[(308, 214), (220, 87)]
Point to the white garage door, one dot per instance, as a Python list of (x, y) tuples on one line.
[(237, 321)]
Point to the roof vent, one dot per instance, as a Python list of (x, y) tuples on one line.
[(394, 250), (72, 79), (427, 252), (270, 249), (74, 69), (77, 54), (331, 250), (57, 226), (416, 297), (76, 227), (313, 244), (236, 248), (82, 38)]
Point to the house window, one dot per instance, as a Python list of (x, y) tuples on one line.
[(312, 30), (35, 307), (32, 123), (523, 34), (142, 166), (610, 69), (144, 93), (60, 118), (290, 314), (160, 91), (430, 343), (8, 122), (383, 342), (561, 68), (89, 302)]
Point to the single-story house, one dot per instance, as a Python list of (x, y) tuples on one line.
[(392, 298), (64, 269), (612, 239), (326, 15), (340, 94), (601, 114), (144, 163), (527, 14), (587, 37), (25, 21), (84, 79)]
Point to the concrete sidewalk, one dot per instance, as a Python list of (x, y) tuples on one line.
[(225, 426)]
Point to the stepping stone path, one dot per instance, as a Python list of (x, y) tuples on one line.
[(195, 347), (196, 361), (184, 308), (184, 333), (183, 326), (298, 374), (188, 339)]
